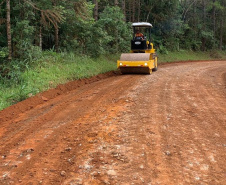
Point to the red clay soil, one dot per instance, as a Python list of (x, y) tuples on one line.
[(165, 128), (29, 103)]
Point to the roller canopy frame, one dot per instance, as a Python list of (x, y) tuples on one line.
[(142, 24), (146, 25)]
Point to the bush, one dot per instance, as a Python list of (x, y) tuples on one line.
[(3, 53), (119, 32)]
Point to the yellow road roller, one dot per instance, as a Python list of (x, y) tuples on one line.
[(142, 57)]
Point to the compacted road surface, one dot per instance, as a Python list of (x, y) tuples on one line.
[(165, 128)]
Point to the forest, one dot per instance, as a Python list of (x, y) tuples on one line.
[(28, 27)]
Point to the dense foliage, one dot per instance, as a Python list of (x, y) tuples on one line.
[(95, 27)]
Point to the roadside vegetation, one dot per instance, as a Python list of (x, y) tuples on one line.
[(51, 69), (45, 43), (22, 80), (186, 55)]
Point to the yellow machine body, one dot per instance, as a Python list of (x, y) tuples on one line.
[(139, 60)]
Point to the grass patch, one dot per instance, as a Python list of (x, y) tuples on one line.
[(191, 55), (48, 72)]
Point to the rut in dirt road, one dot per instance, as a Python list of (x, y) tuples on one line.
[(165, 128)]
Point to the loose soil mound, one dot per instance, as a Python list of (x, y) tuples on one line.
[(14, 110)]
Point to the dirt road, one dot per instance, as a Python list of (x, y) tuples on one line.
[(165, 128)]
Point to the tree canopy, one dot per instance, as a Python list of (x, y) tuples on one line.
[(101, 26)]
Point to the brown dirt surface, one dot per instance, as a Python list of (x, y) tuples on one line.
[(165, 128)]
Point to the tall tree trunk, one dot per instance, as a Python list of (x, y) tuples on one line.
[(133, 11), (147, 18), (195, 21), (56, 38), (130, 11), (40, 37), (116, 2), (56, 27), (187, 9), (204, 12), (8, 27), (124, 9), (138, 6), (204, 25), (221, 33), (95, 13), (214, 20)]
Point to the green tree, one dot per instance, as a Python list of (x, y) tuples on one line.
[(119, 33)]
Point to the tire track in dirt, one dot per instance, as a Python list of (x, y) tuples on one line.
[(164, 128)]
